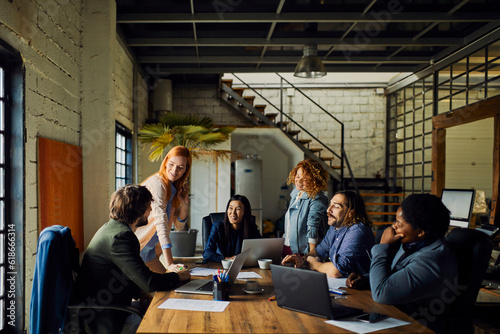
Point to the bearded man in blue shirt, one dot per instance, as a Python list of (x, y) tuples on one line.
[(347, 242)]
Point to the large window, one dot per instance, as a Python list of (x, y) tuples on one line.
[(2, 199), (11, 192), (123, 164)]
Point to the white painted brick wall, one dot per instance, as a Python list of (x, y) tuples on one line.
[(361, 110), (123, 80), (47, 34), (205, 102)]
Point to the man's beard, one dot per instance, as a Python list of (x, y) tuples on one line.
[(143, 221), (337, 223)]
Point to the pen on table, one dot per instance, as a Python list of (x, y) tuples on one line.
[(272, 298), (338, 292)]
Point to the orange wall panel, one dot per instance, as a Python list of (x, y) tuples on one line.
[(60, 187)]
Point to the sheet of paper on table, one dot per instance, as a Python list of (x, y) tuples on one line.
[(335, 283), (363, 327), (194, 305), (247, 275), (198, 271)]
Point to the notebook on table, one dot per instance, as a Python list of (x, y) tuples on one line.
[(262, 248), (206, 286), (307, 291)]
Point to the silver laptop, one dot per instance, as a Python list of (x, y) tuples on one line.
[(307, 291), (263, 248), (205, 286)]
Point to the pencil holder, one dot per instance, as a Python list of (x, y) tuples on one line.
[(221, 291)]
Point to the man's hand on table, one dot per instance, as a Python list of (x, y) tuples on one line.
[(294, 259)]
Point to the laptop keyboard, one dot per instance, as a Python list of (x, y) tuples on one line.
[(209, 286)]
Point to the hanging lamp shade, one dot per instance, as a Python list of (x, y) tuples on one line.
[(310, 66)]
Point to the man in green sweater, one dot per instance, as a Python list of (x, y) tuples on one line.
[(112, 272)]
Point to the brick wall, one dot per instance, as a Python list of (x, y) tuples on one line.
[(123, 81), (47, 34), (205, 102), (361, 110)]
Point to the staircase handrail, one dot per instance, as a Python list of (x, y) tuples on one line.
[(343, 157), (307, 97), (353, 180), (288, 117)]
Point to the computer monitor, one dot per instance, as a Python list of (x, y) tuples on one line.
[(460, 203)]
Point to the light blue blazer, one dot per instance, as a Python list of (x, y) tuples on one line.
[(307, 218)]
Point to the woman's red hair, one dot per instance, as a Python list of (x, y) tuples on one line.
[(177, 151)]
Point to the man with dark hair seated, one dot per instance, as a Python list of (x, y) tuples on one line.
[(347, 241), (413, 268), (113, 271)]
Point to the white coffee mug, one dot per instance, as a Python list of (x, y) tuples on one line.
[(265, 263)]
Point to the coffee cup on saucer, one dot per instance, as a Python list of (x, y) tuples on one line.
[(265, 263), (252, 287)]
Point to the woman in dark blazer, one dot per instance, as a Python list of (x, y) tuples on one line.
[(227, 237)]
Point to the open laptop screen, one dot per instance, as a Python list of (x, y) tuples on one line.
[(460, 203)]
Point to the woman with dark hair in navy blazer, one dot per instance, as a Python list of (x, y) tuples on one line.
[(226, 237)]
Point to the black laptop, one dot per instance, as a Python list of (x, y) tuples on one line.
[(307, 291), (205, 286)]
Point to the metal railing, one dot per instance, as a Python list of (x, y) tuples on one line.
[(342, 156)]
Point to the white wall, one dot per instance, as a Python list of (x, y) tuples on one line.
[(469, 156), (278, 159), (210, 188)]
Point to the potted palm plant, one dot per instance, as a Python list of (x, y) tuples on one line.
[(200, 136)]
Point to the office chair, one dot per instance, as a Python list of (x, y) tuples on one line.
[(52, 308), (473, 251), (207, 222)]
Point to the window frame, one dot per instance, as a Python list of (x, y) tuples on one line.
[(123, 156), (13, 307)]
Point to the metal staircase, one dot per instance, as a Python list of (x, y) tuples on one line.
[(334, 162)]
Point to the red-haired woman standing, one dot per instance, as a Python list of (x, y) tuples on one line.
[(306, 215), (169, 206)]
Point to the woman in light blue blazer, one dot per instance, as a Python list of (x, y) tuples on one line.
[(306, 219)]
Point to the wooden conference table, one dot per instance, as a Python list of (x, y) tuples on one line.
[(256, 314)]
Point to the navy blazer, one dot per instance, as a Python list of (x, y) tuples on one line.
[(56, 258)]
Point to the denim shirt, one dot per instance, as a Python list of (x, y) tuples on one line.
[(348, 248), (306, 219)]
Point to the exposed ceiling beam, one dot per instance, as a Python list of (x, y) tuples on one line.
[(280, 69), (354, 42), (278, 60), (322, 17)]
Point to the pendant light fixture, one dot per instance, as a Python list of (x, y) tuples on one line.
[(310, 66)]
